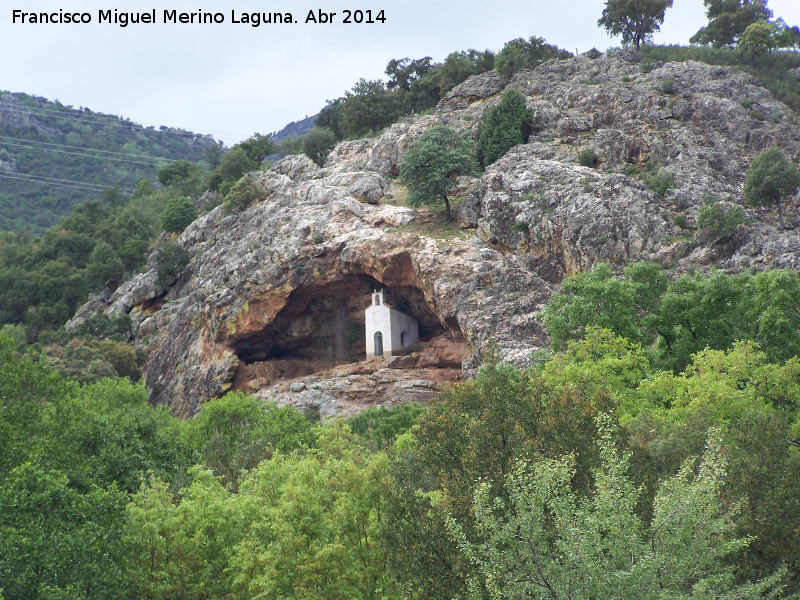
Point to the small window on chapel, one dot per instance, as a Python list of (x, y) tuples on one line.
[(403, 338)]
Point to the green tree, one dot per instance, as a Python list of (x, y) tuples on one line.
[(477, 432), (143, 188), (330, 117), (315, 534), (171, 261), (56, 542), (634, 20), (241, 195), (404, 72), (432, 163), (178, 214), (176, 172), (257, 147), (503, 126), (770, 179), (545, 541), (213, 154), (519, 54), (368, 108), (719, 220), (758, 39), (113, 196), (728, 20), (236, 432), (234, 165), (597, 298), (318, 144), (182, 176), (104, 265)]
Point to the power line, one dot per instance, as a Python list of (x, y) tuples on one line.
[(125, 160), (156, 158), (82, 185)]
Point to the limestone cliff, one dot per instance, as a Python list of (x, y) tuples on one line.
[(273, 299)]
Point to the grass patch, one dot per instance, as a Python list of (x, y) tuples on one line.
[(433, 226)]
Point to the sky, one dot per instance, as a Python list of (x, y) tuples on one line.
[(230, 79)]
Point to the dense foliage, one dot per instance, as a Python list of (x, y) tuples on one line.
[(414, 86), (634, 20), (728, 20), (679, 318), (432, 164), (43, 280), (503, 126), (44, 139), (770, 179), (594, 463), (318, 144), (519, 54)]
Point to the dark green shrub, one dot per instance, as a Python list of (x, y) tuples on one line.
[(241, 196), (719, 220), (171, 261), (520, 227), (660, 182), (104, 265), (318, 144), (503, 126), (668, 86), (178, 214), (771, 178), (381, 426), (587, 158), (518, 55)]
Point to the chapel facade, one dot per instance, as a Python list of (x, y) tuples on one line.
[(389, 331)]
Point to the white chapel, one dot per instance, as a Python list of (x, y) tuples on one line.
[(389, 332)]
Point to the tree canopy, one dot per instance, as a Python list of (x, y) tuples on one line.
[(432, 163), (728, 20), (503, 126), (770, 179), (634, 20)]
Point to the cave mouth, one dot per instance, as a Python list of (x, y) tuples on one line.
[(324, 324)]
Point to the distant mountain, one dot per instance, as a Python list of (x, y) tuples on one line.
[(54, 156), (295, 129)]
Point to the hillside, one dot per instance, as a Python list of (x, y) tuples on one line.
[(596, 389), (295, 129), (53, 157), (256, 309)]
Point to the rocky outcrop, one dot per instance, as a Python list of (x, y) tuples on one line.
[(13, 115), (273, 298), (289, 279)]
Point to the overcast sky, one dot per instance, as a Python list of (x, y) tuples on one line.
[(230, 80)]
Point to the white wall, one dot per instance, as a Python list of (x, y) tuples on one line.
[(391, 323), (402, 322)]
